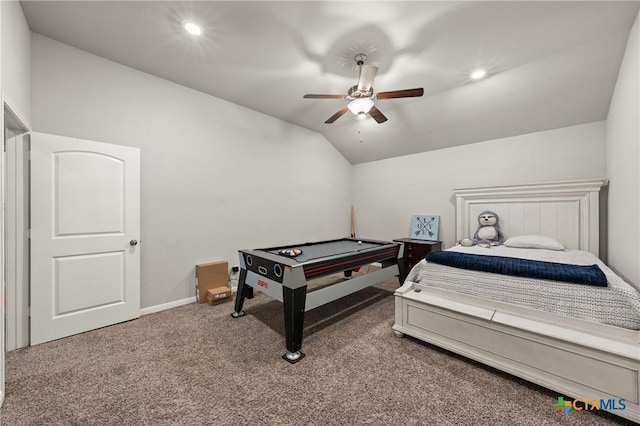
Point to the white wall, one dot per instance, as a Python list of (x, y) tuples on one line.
[(16, 63), (216, 177), (2, 216), (623, 164), (387, 193)]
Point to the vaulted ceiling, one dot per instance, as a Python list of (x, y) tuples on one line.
[(549, 64)]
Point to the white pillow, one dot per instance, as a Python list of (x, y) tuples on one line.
[(533, 241)]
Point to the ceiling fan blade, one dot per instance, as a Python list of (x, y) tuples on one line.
[(377, 115), (337, 115), (407, 93), (367, 74), (312, 96)]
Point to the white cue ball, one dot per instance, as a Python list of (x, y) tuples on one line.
[(359, 242)]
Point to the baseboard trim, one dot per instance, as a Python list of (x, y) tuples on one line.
[(165, 306)]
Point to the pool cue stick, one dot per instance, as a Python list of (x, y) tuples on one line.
[(353, 223)]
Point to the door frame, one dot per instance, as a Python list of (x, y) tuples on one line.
[(16, 222), (2, 257), (11, 119)]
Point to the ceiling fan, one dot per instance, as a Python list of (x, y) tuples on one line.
[(362, 96)]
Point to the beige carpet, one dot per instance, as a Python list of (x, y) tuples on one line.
[(195, 365)]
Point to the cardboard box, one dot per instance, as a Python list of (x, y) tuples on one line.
[(218, 295), (211, 275)]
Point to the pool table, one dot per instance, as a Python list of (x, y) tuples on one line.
[(285, 278)]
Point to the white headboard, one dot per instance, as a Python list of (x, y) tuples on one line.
[(567, 211)]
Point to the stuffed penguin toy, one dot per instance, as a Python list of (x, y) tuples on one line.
[(488, 233)]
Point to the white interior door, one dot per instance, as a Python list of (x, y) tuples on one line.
[(85, 223)]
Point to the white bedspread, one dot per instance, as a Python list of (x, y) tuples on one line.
[(617, 304)]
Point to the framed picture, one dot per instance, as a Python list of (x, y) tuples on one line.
[(425, 227)]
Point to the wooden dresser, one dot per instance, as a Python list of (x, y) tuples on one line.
[(416, 250)]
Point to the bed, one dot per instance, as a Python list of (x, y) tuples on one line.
[(570, 352)]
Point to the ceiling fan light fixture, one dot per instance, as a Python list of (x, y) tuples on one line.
[(360, 106), (361, 95)]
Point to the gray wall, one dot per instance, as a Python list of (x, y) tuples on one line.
[(201, 155), (215, 177), (387, 193), (623, 165), (16, 60)]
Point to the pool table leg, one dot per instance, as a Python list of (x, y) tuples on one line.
[(294, 302), (244, 291)]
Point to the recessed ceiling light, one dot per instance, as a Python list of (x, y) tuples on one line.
[(478, 74), (192, 28)]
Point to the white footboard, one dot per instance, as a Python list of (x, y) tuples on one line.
[(576, 358)]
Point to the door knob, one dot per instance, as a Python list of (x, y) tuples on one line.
[(133, 242)]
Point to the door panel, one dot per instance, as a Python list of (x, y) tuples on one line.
[(78, 211), (85, 209), (88, 281)]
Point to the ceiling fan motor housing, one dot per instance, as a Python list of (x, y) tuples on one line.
[(355, 93)]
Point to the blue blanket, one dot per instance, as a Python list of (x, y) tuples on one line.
[(578, 274)]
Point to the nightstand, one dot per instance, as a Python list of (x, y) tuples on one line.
[(415, 251)]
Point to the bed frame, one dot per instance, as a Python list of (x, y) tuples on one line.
[(576, 358)]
